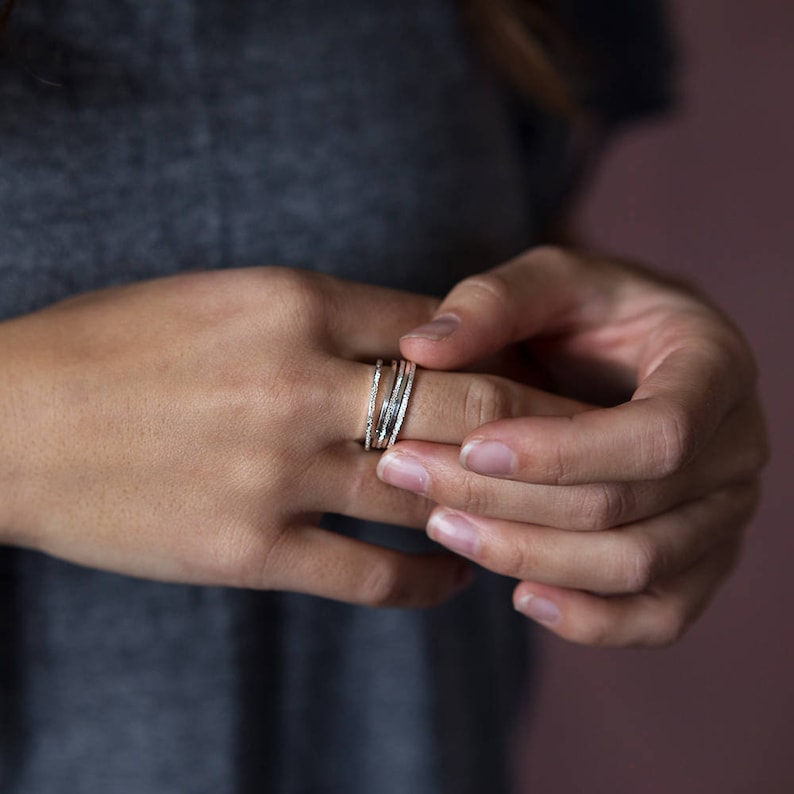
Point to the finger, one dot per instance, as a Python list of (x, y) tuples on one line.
[(347, 484), (690, 365), (626, 560), (655, 618), (486, 312), (444, 407), (434, 471), (664, 426), (550, 292), (319, 562), (366, 322)]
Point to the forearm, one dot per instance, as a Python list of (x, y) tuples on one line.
[(15, 425)]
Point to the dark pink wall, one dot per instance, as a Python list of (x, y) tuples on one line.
[(709, 194)]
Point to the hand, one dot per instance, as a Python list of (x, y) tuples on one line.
[(195, 428), (621, 520)]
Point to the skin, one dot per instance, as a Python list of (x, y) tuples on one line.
[(195, 428), (624, 507)]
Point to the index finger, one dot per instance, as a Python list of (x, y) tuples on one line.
[(667, 422)]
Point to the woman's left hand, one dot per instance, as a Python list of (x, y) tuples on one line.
[(621, 521)]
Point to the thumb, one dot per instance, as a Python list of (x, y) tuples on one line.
[(485, 313)]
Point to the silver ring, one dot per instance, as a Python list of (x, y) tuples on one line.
[(373, 395), (384, 408), (390, 407), (406, 395), (394, 405)]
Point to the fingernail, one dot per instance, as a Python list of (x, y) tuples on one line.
[(455, 532), (439, 328), (488, 457), (540, 609), (403, 471)]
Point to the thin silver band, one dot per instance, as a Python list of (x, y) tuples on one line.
[(384, 409), (406, 395), (373, 395)]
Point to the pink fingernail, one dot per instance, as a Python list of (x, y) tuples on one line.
[(403, 471), (488, 457), (440, 328), (540, 609), (455, 532)]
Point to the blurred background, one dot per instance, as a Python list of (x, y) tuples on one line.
[(706, 193)]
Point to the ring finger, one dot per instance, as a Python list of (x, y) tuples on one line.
[(444, 407)]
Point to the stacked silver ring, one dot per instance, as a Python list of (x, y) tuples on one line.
[(383, 434)]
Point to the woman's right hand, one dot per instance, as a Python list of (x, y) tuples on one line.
[(195, 428)]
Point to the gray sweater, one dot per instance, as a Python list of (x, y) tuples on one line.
[(354, 137)]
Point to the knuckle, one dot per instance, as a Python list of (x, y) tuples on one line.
[(555, 466), (548, 255), (673, 443), (487, 399), (490, 287), (639, 566), (383, 585), (246, 557), (285, 281), (604, 506), (671, 625), (598, 632), (299, 294), (291, 396), (552, 254), (517, 562), (472, 499)]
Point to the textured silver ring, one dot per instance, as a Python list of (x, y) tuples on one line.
[(382, 434)]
